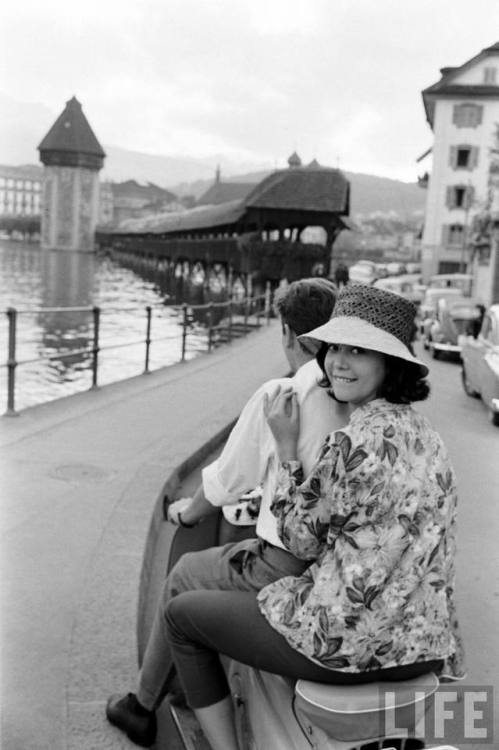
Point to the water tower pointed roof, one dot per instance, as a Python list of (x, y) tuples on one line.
[(71, 141)]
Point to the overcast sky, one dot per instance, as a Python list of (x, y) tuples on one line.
[(336, 80)]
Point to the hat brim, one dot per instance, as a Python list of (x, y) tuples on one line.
[(353, 331)]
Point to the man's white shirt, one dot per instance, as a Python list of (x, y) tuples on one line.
[(249, 456)]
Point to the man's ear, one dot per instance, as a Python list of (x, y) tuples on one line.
[(289, 335)]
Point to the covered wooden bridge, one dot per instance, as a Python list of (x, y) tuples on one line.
[(255, 239)]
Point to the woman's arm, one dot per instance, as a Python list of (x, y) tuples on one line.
[(303, 508)]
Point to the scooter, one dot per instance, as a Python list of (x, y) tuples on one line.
[(273, 712)]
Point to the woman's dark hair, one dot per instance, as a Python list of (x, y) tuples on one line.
[(403, 382)]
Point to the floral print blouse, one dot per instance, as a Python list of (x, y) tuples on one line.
[(377, 519)]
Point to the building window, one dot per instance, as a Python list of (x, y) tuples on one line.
[(460, 196), (467, 115), (489, 75), (453, 235), (463, 157)]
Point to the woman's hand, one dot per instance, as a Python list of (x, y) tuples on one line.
[(283, 417)]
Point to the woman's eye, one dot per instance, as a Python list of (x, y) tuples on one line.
[(333, 347), (357, 350)]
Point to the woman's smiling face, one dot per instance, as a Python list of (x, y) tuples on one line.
[(355, 374)]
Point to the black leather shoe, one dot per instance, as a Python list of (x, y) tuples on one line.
[(127, 714)]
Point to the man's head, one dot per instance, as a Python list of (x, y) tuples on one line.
[(302, 306)]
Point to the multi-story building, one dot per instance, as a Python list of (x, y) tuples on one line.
[(462, 110), (20, 190)]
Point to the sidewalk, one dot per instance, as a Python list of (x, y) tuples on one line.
[(80, 477)]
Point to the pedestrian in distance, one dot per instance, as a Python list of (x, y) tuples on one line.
[(248, 459), (341, 275), (374, 519)]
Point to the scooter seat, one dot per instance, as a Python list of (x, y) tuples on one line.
[(357, 712)]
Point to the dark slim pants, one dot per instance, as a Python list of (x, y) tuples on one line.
[(202, 624)]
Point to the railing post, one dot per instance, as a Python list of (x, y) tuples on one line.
[(246, 313), (95, 347), (184, 330), (148, 339), (229, 329), (210, 326), (11, 364), (267, 302)]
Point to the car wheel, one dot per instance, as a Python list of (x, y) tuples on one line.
[(493, 416), (467, 385), (426, 344)]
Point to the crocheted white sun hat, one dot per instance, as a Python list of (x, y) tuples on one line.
[(373, 319)]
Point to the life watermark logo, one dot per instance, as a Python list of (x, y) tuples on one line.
[(464, 713)]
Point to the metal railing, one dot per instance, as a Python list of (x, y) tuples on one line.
[(235, 317)]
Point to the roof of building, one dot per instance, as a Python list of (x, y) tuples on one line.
[(294, 160), (148, 191), (221, 192), (446, 86), (201, 217), (301, 189), (71, 132), (22, 172)]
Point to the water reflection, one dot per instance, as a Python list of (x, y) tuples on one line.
[(31, 279)]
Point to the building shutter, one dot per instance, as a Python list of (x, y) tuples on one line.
[(453, 157), (474, 157), (470, 196), (450, 197)]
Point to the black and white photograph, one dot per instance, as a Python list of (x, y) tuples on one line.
[(249, 375)]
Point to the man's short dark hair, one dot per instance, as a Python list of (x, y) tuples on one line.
[(306, 304)]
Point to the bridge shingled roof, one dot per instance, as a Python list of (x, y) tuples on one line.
[(71, 132), (301, 189), (224, 192)]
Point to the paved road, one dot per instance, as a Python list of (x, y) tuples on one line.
[(79, 481), (474, 447)]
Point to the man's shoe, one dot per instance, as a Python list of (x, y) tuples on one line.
[(127, 714)]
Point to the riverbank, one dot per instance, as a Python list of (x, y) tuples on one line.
[(80, 477)]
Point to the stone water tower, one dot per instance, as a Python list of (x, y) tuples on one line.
[(72, 157)]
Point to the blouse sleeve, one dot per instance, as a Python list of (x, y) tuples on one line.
[(307, 510)]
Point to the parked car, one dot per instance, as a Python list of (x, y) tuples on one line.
[(363, 272), (456, 318), (407, 285), (480, 356), (395, 268), (413, 267), (428, 307), (461, 281)]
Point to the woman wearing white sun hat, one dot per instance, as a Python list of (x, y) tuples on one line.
[(375, 518)]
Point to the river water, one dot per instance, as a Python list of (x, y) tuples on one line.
[(32, 280)]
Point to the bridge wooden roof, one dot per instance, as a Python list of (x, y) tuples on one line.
[(301, 194)]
